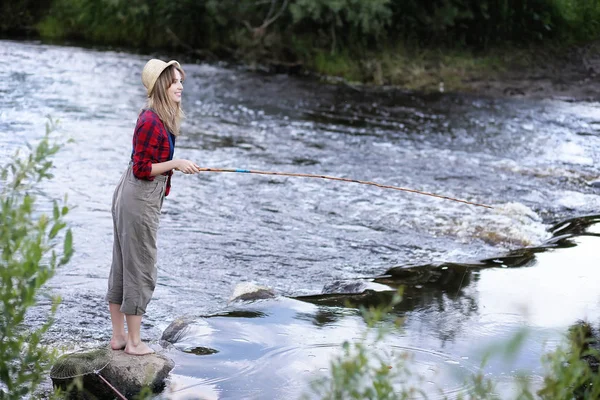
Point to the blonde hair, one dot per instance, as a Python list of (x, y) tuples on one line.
[(169, 112)]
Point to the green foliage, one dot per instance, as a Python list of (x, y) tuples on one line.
[(28, 240), (580, 19), (336, 65), (363, 373), (122, 22), (477, 23), (346, 22), (569, 369), (145, 394), (363, 370), (21, 16), (299, 30)]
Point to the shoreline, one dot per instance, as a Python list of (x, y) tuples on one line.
[(570, 74)]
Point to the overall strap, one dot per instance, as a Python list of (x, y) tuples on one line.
[(171, 145)]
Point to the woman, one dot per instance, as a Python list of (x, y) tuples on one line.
[(137, 201)]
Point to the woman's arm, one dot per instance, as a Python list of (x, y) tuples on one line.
[(185, 166), (145, 144), (146, 147)]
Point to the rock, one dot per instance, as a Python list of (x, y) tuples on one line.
[(175, 331), (248, 291), (126, 373), (594, 184), (353, 287), (344, 287)]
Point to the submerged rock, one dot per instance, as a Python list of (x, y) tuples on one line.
[(90, 374), (353, 287)]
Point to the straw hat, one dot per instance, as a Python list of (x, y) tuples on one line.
[(152, 71)]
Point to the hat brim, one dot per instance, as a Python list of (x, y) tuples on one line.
[(155, 71)]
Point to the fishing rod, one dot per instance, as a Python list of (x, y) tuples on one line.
[(334, 178)]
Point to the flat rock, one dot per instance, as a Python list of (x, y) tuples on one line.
[(126, 373)]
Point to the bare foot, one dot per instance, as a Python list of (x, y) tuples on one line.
[(118, 342), (141, 349)]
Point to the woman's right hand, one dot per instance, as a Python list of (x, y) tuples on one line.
[(187, 167)]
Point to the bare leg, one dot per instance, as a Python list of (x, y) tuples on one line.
[(135, 345), (119, 338)]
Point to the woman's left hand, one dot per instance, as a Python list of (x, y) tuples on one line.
[(187, 167)]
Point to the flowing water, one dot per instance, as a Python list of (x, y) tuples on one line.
[(472, 276)]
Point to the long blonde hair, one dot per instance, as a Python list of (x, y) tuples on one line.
[(169, 112)]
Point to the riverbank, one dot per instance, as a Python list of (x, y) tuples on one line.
[(480, 47), (569, 74)]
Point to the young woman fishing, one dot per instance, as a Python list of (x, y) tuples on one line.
[(137, 202)]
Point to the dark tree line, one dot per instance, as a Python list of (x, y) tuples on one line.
[(334, 24), (294, 32)]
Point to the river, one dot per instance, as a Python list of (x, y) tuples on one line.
[(531, 261)]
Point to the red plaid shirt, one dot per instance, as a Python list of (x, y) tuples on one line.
[(150, 146)]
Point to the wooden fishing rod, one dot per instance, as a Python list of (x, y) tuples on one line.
[(334, 178)]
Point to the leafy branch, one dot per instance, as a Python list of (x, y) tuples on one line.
[(29, 243)]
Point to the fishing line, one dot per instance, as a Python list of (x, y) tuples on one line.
[(83, 363), (460, 285), (334, 178)]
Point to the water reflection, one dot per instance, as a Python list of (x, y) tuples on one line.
[(275, 356), (452, 313)]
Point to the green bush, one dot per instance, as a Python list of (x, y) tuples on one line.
[(29, 243), (580, 19), (344, 22), (571, 371), (275, 28), (363, 371), (476, 23), (115, 22), (20, 17)]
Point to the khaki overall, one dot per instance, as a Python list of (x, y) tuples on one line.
[(136, 209)]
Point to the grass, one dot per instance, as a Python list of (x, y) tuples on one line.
[(422, 70), (432, 70)]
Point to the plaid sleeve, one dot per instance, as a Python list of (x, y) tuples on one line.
[(145, 145)]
